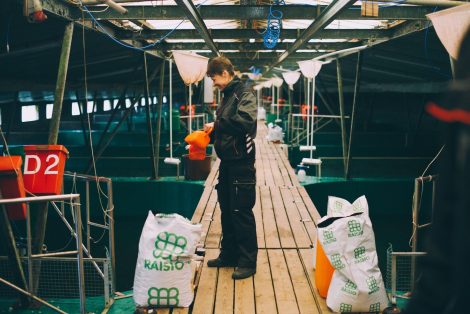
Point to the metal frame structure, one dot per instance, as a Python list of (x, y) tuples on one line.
[(77, 231)]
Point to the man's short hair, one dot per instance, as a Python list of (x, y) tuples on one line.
[(217, 65)]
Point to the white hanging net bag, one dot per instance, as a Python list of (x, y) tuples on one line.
[(291, 78), (192, 67), (451, 25), (310, 68)]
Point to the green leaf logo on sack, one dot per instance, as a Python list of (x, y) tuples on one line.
[(372, 284), (360, 255), (336, 261), (375, 307), (357, 207), (338, 206), (345, 308), (163, 296), (350, 288), (328, 237), (168, 245), (355, 228)]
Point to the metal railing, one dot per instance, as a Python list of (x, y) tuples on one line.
[(74, 200), (99, 272)]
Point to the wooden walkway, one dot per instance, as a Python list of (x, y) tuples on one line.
[(286, 231)]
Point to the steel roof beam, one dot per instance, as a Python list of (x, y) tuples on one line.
[(246, 34), (253, 12), (247, 46), (325, 18), (198, 23)]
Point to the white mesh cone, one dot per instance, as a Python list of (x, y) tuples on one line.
[(192, 67), (451, 25)]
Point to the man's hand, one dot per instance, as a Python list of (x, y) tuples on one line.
[(208, 126)]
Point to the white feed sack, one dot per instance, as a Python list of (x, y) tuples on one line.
[(348, 240), (163, 275), (275, 133)]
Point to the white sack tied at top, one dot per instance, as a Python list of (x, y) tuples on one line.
[(191, 66), (347, 238), (163, 275), (451, 26), (275, 134)]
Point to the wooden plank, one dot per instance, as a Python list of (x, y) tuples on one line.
[(286, 168), (300, 233), (163, 311), (208, 215), (309, 204), (283, 290), (303, 292), (212, 177), (307, 220), (258, 163), (307, 262), (264, 291), (268, 176), (244, 296), (259, 220), (283, 227), (180, 310), (225, 291), (205, 293), (215, 230), (201, 206), (271, 235)]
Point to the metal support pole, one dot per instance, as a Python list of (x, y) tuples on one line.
[(414, 235), (112, 252), (7, 234), (353, 112), (81, 273), (452, 66), (41, 220), (341, 110), (149, 120), (170, 104), (159, 119), (190, 126), (87, 209)]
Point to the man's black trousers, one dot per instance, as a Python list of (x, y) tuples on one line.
[(236, 193)]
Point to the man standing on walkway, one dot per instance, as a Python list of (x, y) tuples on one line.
[(234, 131)]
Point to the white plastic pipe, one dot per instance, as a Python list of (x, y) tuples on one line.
[(313, 115), (171, 160), (190, 108), (170, 106)]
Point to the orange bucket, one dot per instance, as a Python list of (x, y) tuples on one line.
[(323, 272), (12, 186)]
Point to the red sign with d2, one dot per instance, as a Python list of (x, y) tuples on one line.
[(43, 171)]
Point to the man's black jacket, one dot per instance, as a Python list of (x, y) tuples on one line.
[(235, 124)]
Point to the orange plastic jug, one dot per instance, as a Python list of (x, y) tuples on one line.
[(323, 272), (198, 141)]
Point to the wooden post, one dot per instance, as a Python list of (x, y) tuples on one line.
[(60, 85), (40, 226)]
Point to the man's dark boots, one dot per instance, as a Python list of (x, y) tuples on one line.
[(220, 262), (243, 272)]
